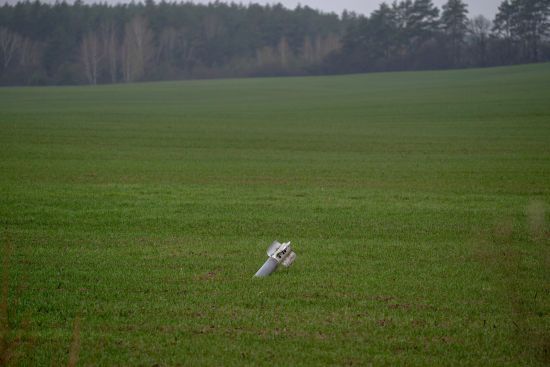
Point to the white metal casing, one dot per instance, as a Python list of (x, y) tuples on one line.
[(279, 253)]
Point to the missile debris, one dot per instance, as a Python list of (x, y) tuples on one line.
[(279, 253)]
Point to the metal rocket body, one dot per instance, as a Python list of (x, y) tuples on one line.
[(279, 253)]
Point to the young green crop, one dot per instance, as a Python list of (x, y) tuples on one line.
[(133, 218)]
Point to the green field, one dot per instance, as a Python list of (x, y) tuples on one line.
[(134, 216)]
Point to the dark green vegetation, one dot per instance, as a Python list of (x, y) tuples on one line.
[(58, 43), (417, 203)]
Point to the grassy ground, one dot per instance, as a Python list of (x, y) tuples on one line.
[(134, 216)]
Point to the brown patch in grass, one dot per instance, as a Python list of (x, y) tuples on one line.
[(74, 352), (166, 329), (383, 298), (353, 362), (499, 250), (398, 306), (208, 329), (503, 231), (6, 346), (418, 323), (384, 322), (10, 341), (493, 245), (393, 305), (208, 276), (536, 221), (445, 339)]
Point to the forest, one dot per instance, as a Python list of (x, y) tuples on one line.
[(79, 43)]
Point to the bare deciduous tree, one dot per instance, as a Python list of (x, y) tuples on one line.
[(9, 43), (91, 55), (266, 56), (479, 29), (176, 47), (29, 53), (166, 45), (212, 26), (137, 49), (110, 49), (315, 52), (284, 52), (327, 44), (308, 51)]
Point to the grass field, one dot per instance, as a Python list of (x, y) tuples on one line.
[(134, 216)]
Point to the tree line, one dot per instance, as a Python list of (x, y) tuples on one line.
[(65, 43), (62, 43), (413, 35)]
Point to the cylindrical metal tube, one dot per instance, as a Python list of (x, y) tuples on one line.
[(267, 268)]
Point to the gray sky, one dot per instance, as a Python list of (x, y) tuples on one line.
[(476, 7)]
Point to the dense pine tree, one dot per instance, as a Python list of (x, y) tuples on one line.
[(523, 26), (454, 21)]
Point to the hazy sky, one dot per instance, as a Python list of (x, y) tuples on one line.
[(485, 7)]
